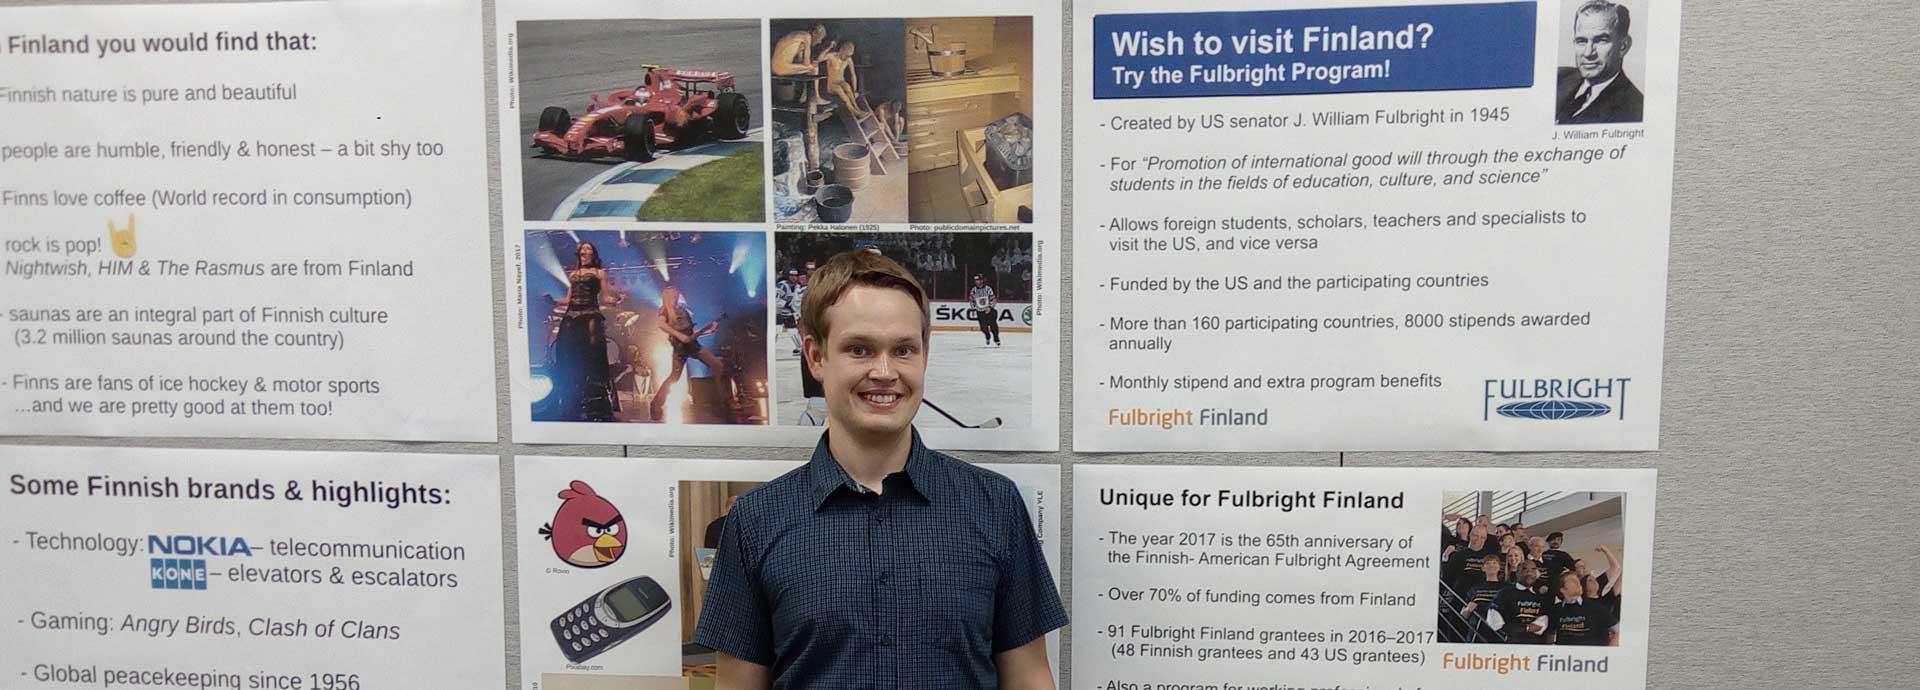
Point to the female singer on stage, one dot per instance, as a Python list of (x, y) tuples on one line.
[(580, 348)]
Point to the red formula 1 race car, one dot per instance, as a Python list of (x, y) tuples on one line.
[(670, 107)]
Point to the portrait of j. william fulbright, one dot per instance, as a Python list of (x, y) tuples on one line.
[(1596, 90)]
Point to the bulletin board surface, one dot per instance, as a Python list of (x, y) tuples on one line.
[(1787, 464)]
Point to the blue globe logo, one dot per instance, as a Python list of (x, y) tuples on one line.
[(1553, 409)]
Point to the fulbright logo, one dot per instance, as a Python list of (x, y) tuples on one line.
[(1555, 399)]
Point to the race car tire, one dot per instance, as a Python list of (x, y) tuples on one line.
[(732, 118), (637, 134), (555, 119)]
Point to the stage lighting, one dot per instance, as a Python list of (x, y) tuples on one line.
[(542, 387), (542, 254), (656, 249), (749, 263)]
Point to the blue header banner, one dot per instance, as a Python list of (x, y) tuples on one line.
[(1351, 50)]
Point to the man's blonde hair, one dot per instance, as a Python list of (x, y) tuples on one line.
[(830, 282)]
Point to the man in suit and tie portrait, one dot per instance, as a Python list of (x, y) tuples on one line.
[(1596, 89)]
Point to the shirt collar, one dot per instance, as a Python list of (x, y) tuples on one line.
[(1593, 90), (923, 473)]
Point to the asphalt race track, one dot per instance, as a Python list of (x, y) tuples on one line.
[(564, 62)]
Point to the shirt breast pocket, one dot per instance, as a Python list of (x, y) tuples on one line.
[(959, 593)]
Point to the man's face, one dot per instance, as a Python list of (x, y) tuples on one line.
[(873, 362), (1539, 545), (1555, 542), (1491, 568), (1570, 587), (1598, 49), (1529, 573)]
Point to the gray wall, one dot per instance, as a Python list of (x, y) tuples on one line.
[(1786, 553)]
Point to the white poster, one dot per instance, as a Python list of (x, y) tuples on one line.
[(250, 569), (643, 533), (1372, 225), (673, 175), (1253, 577), (259, 220)]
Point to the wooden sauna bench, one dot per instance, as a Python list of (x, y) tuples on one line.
[(938, 108)]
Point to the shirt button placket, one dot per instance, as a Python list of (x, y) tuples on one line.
[(890, 609)]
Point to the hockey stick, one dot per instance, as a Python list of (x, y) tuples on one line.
[(989, 424)]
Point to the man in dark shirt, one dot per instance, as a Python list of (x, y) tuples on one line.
[(1524, 609), (1595, 90), (880, 564), (1555, 561), (1537, 552), (1578, 620), (1520, 537), (1462, 570), (1455, 534), (1597, 597), (1481, 599), (1603, 588)]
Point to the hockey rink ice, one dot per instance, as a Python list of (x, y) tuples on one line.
[(969, 381)]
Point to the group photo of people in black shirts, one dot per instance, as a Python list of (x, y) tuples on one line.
[(1530, 567)]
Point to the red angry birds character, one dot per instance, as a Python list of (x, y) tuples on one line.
[(587, 530)]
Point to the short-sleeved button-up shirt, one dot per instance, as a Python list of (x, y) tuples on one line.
[(833, 586)]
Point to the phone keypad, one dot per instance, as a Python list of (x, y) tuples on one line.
[(581, 632), (575, 628)]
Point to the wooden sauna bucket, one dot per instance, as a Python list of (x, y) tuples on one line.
[(948, 59), (850, 163)]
